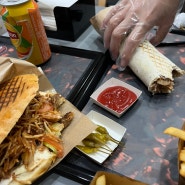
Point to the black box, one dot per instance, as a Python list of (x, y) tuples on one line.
[(73, 21)]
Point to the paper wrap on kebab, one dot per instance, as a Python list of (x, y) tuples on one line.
[(155, 70), (39, 127)]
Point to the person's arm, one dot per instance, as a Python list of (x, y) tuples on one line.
[(131, 20)]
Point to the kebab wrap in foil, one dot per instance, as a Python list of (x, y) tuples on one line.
[(154, 69)]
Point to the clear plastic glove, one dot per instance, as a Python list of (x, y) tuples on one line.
[(131, 20)]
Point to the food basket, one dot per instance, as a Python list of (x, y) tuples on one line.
[(181, 144), (115, 179)]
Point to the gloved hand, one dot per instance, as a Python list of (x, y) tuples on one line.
[(131, 20)]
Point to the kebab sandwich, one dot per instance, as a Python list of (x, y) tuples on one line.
[(154, 69), (30, 130)]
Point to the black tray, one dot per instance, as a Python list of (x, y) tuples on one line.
[(92, 69)]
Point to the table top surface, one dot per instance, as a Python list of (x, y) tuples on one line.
[(149, 155)]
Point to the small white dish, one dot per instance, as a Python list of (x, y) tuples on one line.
[(114, 129), (129, 96)]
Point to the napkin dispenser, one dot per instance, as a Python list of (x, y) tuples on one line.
[(71, 22)]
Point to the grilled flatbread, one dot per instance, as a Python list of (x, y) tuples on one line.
[(12, 94), (155, 70)]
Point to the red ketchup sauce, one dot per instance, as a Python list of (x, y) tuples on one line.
[(117, 98)]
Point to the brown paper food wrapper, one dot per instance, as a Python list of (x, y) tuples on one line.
[(181, 145), (115, 179), (155, 70), (10, 67)]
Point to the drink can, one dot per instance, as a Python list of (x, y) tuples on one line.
[(23, 22)]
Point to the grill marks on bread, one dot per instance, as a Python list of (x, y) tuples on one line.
[(15, 95), (10, 90)]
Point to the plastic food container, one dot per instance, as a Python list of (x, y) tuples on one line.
[(115, 96)]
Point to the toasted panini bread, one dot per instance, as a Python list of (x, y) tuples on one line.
[(15, 95)]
